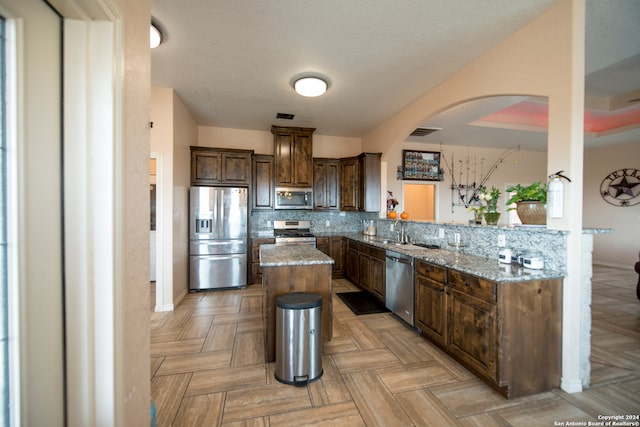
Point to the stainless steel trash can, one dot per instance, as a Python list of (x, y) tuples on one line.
[(298, 338)]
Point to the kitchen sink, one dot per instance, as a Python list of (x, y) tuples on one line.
[(408, 246)]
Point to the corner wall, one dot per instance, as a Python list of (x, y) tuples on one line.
[(619, 249)]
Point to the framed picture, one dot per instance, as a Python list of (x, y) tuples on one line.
[(421, 165)]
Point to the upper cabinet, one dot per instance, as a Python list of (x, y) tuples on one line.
[(262, 188), (326, 184), (360, 183), (369, 182), (219, 166), (293, 156)]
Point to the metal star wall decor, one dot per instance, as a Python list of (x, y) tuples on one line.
[(621, 187)]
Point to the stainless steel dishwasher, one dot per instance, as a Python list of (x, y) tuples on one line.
[(399, 288)]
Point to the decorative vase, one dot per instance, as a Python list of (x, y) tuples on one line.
[(491, 218), (532, 212), (477, 217)]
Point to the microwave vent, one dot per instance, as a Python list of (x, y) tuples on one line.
[(285, 116)]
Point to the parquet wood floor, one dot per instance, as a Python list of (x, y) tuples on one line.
[(208, 369)]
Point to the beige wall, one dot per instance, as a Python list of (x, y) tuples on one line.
[(161, 144), (184, 135), (174, 131), (622, 246), (262, 142), (133, 385), (518, 167)]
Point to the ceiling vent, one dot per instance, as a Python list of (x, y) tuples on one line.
[(424, 131), (285, 116)]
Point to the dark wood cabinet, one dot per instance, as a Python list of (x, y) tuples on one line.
[(369, 182), (255, 275), (431, 300), (262, 175), (352, 263), (217, 166), (334, 247), (349, 184), (377, 276), (360, 183), (326, 184), (366, 268), (293, 150), (509, 334)]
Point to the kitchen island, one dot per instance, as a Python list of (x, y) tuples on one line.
[(293, 268)]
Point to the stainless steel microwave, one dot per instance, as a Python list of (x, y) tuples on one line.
[(294, 198)]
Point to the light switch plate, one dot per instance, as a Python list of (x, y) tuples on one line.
[(501, 241)]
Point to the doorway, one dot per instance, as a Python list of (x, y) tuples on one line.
[(419, 200)]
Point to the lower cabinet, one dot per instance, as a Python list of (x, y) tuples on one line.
[(333, 246), (352, 262), (255, 275), (365, 267), (509, 334)]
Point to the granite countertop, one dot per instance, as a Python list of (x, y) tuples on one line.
[(479, 266), (290, 255)]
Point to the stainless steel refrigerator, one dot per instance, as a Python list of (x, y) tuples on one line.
[(217, 237)]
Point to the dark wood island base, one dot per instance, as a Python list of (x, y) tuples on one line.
[(288, 269)]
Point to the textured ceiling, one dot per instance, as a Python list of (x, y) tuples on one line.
[(232, 63)]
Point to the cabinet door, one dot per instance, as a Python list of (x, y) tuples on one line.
[(337, 252), (472, 332), (326, 189), (284, 152), (363, 268), (302, 165), (377, 275), (236, 168), (206, 167), (349, 184), (368, 197), (431, 309), (353, 265), (263, 175)]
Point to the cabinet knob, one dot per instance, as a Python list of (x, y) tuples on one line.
[(467, 283)]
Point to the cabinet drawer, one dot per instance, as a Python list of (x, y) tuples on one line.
[(472, 285), (372, 251), (432, 271), (354, 245), (322, 241)]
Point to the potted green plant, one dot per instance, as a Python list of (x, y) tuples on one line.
[(530, 202)]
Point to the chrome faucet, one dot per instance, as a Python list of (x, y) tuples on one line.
[(400, 234)]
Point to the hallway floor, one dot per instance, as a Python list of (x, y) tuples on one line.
[(207, 367)]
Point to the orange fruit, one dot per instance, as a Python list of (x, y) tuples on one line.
[(404, 215), (392, 215)]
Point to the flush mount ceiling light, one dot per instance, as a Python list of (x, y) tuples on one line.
[(310, 86), (155, 37)]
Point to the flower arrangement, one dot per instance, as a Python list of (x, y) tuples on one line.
[(489, 210), (490, 197), (392, 202)]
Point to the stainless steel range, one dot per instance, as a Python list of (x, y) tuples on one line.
[(293, 233)]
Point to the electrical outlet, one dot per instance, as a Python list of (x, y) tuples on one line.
[(441, 233), (269, 224), (501, 241), (328, 223)]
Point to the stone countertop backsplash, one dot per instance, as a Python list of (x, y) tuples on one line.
[(459, 260)]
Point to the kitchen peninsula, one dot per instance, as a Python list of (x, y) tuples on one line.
[(293, 268)]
